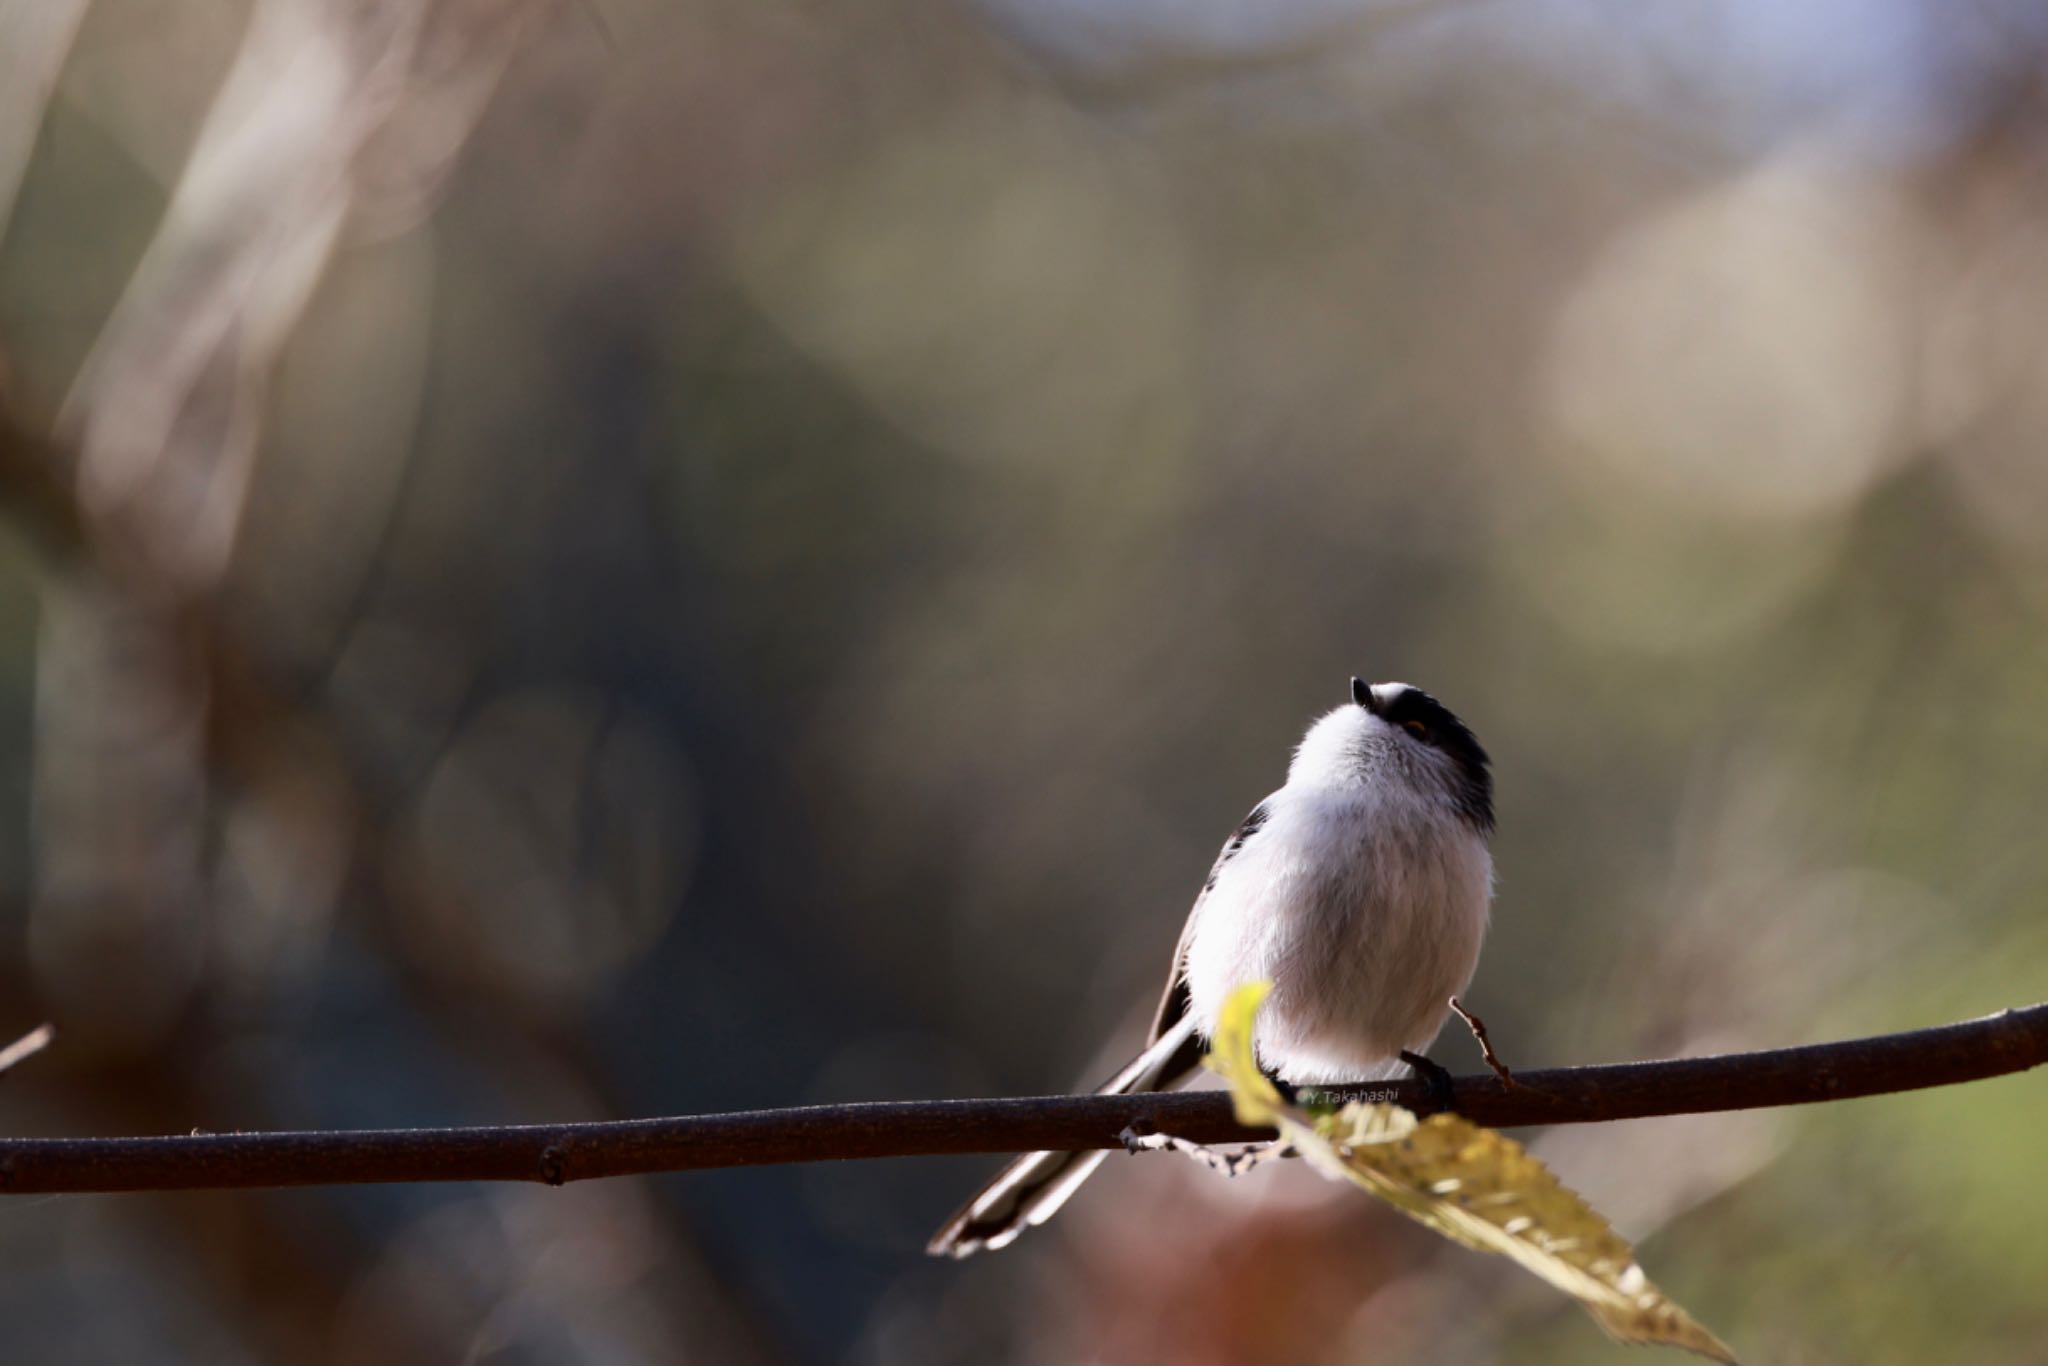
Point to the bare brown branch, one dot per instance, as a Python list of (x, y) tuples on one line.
[(1995, 1045)]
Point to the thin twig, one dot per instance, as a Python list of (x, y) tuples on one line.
[(27, 1046), (1996, 1045), (1478, 1028), (1230, 1162)]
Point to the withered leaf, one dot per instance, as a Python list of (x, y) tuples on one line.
[(1473, 1185)]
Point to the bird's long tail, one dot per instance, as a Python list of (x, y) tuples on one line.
[(1033, 1187)]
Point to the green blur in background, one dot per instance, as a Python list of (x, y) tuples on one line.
[(773, 540)]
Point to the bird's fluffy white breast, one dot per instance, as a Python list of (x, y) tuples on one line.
[(1362, 899)]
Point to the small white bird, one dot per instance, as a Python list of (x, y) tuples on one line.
[(1360, 889)]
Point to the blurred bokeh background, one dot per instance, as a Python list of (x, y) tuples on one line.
[(627, 557)]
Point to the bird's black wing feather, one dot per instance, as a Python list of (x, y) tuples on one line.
[(1173, 1002)]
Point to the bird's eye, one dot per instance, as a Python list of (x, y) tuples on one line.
[(1416, 729)]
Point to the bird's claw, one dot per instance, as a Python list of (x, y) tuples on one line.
[(1443, 1096)]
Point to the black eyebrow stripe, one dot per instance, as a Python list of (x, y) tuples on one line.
[(1412, 704), (1455, 739)]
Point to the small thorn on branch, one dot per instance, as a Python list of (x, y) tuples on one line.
[(1478, 1028)]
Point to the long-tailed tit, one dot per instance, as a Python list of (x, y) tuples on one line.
[(1360, 889)]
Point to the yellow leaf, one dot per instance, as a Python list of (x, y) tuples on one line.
[(1232, 1056), (1473, 1185)]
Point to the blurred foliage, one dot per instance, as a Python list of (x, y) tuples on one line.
[(798, 527)]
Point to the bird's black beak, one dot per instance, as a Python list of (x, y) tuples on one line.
[(1361, 693)]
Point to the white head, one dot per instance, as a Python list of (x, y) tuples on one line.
[(1394, 732)]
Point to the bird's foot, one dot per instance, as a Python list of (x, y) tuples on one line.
[(1289, 1092), (1443, 1097)]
